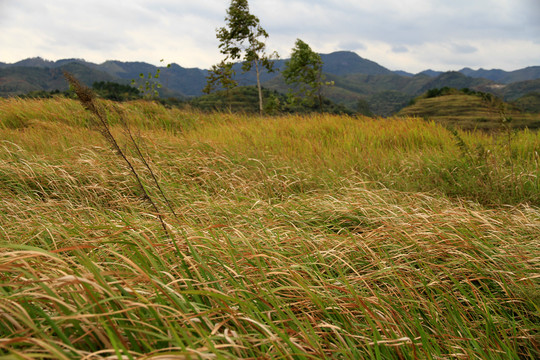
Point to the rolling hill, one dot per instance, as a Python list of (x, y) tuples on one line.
[(469, 111)]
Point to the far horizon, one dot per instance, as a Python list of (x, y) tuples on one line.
[(161, 64)]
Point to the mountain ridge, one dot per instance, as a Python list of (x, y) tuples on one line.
[(338, 62), (356, 79)]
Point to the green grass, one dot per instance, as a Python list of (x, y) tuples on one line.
[(300, 237)]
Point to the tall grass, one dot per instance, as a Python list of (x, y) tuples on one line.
[(405, 154), (297, 237)]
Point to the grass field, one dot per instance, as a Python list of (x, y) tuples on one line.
[(298, 237)]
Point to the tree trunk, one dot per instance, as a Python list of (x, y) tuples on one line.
[(319, 92), (259, 87)]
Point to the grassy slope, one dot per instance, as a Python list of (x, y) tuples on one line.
[(304, 237), (466, 111), (529, 102)]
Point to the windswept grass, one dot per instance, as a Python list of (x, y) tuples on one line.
[(297, 237)]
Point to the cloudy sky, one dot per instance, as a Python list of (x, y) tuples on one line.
[(411, 35)]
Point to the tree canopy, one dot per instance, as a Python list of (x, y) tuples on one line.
[(242, 38), (304, 72)]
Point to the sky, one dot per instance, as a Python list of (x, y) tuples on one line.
[(409, 35)]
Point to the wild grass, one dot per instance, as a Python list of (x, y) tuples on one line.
[(297, 237)]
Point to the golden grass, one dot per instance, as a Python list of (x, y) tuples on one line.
[(282, 249)]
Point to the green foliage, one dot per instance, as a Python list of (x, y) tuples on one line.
[(149, 84), (444, 91), (329, 107), (241, 39), (244, 99), (238, 99), (362, 107), (304, 72), (220, 77), (116, 92), (273, 105), (440, 92)]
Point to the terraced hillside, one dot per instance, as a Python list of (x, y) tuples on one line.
[(469, 112)]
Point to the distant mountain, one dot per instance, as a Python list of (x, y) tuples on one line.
[(338, 63), (403, 73), (387, 93), (357, 81), (431, 73), (188, 82), (347, 62), (18, 80), (495, 75), (454, 79), (42, 63), (38, 74), (518, 89), (504, 77), (529, 73), (36, 62)]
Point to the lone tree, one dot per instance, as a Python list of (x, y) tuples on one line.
[(304, 72), (241, 39)]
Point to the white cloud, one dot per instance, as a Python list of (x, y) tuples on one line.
[(400, 34)]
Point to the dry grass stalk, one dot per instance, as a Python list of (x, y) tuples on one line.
[(88, 99)]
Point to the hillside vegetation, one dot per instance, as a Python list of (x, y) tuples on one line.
[(294, 237), (471, 110), (245, 99)]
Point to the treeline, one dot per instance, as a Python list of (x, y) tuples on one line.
[(116, 92), (240, 99), (246, 99), (444, 91), (105, 89)]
